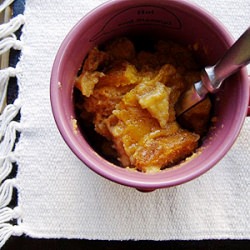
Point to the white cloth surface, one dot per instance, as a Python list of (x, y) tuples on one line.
[(61, 198)]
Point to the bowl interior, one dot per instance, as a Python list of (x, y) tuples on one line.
[(176, 20)]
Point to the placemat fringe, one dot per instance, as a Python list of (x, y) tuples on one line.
[(13, 25), (10, 42), (10, 218), (5, 75)]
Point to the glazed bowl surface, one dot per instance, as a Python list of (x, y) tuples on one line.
[(179, 21)]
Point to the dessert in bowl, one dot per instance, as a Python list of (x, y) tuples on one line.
[(184, 24)]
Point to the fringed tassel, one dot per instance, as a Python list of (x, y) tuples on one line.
[(8, 115), (10, 42), (8, 39), (6, 191), (13, 25), (9, 139), (8, 215), (7, 230), (7, 158), (5, 75), (10, 218)]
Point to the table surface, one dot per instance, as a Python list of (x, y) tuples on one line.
[(25, 243)]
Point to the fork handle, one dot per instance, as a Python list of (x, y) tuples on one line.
[(235, 58)]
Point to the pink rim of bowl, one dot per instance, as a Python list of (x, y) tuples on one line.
[(61, 89)]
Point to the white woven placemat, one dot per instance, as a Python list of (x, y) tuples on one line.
[(58, 197)]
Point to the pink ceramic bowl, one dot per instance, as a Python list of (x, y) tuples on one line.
[(182, 22)]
